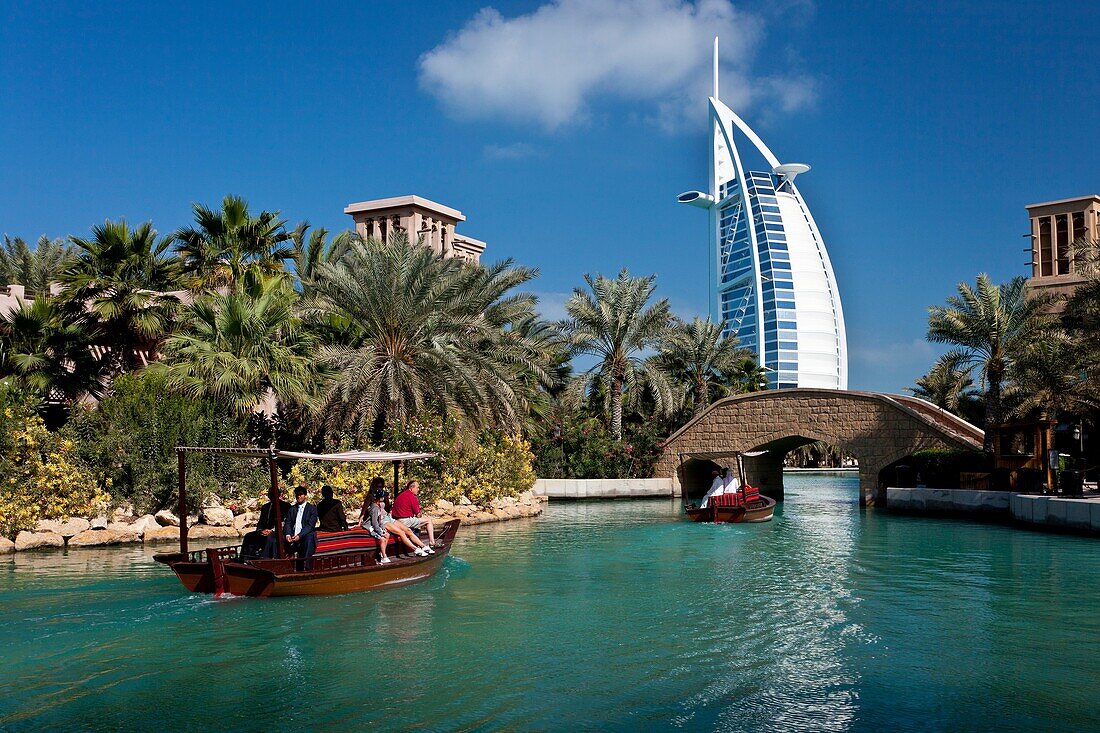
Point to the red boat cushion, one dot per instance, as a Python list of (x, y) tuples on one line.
[(353, 540), (725, 500), (751, 493)]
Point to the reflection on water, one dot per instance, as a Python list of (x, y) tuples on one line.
[(612, 615)]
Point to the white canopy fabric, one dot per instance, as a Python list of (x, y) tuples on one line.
[(357, 456)]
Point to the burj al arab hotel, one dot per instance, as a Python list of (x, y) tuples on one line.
[(771, 282)]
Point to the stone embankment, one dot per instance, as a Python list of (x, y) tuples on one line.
[(216, 522)]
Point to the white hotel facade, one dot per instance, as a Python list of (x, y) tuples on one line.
[(771, 281)]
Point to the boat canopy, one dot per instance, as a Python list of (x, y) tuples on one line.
[(350, 456), (357, 456)]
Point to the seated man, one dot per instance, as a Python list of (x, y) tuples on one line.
[(262, 541), (331, 512), (300, 528), (406, 509), (717, 486)]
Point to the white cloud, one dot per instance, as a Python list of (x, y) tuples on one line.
[(511, 151), (550, 65), (551, 305)]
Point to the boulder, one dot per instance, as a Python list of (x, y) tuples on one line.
[(162, 534), (123, 513), (73, 527), (442, 506), (502, 502), (144, 523), (101, 537), (99, 523), (465, 501), (217, 516), (48, 525), (246, 521), (166, 518), (207, 532), (6, 546), (35, 540)]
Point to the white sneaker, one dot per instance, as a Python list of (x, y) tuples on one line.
[(429, 549), (420, 551), (384, 560)]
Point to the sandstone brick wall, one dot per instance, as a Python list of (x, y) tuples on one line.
[(876, 428)]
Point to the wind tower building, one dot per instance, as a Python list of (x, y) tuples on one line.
[(771, 281)]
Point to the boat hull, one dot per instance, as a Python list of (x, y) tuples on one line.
[(757, 511), (333, 574)]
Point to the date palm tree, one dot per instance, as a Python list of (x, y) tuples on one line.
[(1053, 375), (120, 282), (697, 356), (35, 268), (226, 245), (425, 333), (312, 248), (991, 325), (615, 322), (746, 375), (243, 346), (949, 386)]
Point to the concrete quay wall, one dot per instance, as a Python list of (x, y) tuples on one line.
[(1081, 515), (963, 502), (604, 488)]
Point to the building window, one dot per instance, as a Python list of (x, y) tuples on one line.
[(1061, 228), (1046, 253), (1079, 230)]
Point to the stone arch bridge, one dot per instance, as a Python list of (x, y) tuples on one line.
[(878, 429)]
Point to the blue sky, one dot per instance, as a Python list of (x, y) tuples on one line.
[(564, 130)]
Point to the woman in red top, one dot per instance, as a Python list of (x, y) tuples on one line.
[(406, 509)]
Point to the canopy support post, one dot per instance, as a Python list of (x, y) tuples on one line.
[(276, 502), (181, 460), (396, 477)]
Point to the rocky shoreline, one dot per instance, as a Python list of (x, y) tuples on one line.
[(219, 522)]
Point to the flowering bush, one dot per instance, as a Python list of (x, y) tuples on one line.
[(40, 475), (482, 467), (581, 447)]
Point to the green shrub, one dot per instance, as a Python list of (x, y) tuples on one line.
[(584, 448), (132, 437), (940, 467)]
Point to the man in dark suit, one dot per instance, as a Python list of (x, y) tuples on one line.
[(300, 528), (263, 542)]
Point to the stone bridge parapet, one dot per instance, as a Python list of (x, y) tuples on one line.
[(878, 429)]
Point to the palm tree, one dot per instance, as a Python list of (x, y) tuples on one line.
[(991, 325), (1053, 375), (947, 385), (312, 248), (226, 246), (746, 375), (34, 268), (119, 282), (425, 333), (698, 356), (47, 353), (243, 346), (615, 322)]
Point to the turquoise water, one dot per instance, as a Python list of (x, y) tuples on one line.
[(614, 616)]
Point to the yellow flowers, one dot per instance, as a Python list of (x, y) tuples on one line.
[(40, 478)]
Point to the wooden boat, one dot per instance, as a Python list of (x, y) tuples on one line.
[(346, 562), (746, 504)]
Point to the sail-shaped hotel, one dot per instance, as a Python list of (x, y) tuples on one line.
[(771, 281)]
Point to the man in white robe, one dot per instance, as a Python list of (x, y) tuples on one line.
[(717, 486)]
